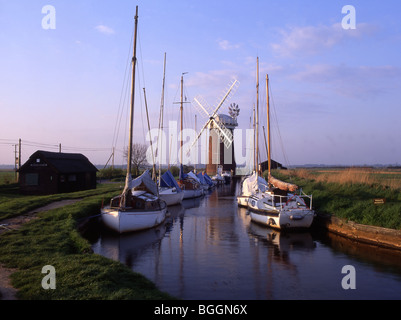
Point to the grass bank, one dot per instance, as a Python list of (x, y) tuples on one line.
[(350, 193), (12, 203), (54, 240)]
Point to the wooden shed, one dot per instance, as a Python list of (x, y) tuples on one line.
[(274, 165), (55, 172)]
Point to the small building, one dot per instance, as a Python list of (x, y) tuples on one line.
[(274, 165), (55, 172)]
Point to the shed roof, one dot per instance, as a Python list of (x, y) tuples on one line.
[(64, 162)]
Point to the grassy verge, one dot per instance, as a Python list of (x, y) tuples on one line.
[(54, 240), (13, 204), (350, 194)]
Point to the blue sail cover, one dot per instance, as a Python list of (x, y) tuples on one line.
[(208, 180), (168, 180), (183, 175), (201, 178)]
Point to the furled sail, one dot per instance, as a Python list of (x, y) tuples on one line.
[(282, 185), (253, 184)]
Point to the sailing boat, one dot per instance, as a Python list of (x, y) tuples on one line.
[(139, 206), (188, 183), (253, 183), (276, 204), (169, 189)]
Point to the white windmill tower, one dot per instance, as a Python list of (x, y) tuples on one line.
[(221, 127)]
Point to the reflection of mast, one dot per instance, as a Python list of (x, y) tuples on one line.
[(181, 275)]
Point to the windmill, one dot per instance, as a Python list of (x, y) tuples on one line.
[(234, 110), (219, 125)]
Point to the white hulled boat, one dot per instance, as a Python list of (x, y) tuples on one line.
[(249, 187), (169, 190), (276, 204), (189, 183), (139, 206)]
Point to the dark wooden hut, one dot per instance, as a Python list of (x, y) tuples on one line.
[(55, 172), (274, 165)]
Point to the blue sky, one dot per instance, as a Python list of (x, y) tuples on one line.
[(336, 92)]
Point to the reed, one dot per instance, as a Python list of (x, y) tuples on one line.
[(349, 176)]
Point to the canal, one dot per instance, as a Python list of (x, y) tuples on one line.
[(209, 249)]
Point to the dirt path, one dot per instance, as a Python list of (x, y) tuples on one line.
[(7, 291)]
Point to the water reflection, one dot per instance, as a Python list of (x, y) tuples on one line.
[(209, 249)]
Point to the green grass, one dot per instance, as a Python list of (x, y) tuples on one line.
[(13, 204), (7, 177), (351, 200), (54, 240)]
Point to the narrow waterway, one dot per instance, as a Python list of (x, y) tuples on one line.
[(209, 249)]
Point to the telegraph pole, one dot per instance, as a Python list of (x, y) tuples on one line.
[(15, 163)]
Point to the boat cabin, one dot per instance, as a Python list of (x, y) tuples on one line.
[(140, 200), (188, 184)]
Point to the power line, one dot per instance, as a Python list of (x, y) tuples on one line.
[(55, 146)]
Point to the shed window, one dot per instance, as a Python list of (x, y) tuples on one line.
[(32, 179), (72, 178)]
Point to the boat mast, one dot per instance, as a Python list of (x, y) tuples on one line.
[(150, 136), (161, 119), (257, 116), (268, 126), (196, 150), (254, 138), (181, 111), (131, 123)]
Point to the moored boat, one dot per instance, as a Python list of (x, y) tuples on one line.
[(169, 190), (278, 206), (190, 185), (139, 206)]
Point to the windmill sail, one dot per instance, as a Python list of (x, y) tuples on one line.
[(224, 133)]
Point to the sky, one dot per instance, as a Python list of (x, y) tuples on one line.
[(335, 91)]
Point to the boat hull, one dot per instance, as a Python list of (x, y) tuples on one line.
[(279, 217), (171, 197), (242, 201), (193, 193), (123, 221), (283, 220)]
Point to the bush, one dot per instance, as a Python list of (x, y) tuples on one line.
[(111, 173)]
